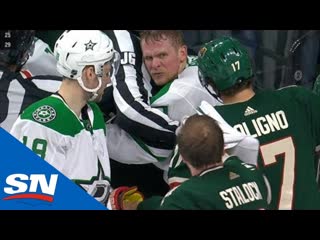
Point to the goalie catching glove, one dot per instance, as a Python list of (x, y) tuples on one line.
[(123, 198)]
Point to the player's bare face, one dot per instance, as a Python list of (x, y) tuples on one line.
[(162, 60)]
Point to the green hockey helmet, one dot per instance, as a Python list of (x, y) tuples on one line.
[(225, 62)]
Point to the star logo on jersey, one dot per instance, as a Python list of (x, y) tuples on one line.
[(90, 45), (44, 114)]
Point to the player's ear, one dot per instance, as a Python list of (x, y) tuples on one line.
[(88, 72), (183, 53)]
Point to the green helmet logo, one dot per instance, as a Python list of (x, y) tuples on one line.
[(225, 62)]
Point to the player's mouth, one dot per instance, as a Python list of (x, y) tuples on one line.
[(157, 75)]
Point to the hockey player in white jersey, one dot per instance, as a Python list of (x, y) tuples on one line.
[(132, 92), (165, 57), (18, 86), (67, 129)]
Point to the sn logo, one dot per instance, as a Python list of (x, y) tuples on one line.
[(23, 186)]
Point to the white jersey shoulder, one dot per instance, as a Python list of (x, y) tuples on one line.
[(42, 61), (184, 95)]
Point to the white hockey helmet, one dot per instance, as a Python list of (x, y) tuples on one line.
[(76, 49)]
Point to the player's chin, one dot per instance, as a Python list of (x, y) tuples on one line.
[(159, 81)]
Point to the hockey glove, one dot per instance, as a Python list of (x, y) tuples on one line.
[(124, 198)]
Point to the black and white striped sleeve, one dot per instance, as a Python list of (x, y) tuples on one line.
[(134, 113), (19, 90)]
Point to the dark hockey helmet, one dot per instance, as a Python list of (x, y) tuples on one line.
[(16, 46)]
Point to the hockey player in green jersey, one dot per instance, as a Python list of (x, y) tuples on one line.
[(67, 129), (215, 184), (235, 143), (286, 122)]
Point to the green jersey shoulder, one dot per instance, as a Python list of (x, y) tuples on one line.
[(52, 112), (235, 185)]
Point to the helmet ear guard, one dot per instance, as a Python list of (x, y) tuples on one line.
[(224, 62)]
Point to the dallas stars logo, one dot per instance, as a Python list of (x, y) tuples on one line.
[(90, 45), (44, 114)]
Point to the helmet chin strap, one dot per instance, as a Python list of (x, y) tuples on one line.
[(93, 91)]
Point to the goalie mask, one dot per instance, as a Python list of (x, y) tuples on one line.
[(16, 46), (76, 49), (224, 62)]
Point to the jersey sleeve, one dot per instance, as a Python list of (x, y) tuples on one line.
[(152, 203), (172, 200), (236, 143), (128, 149)]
